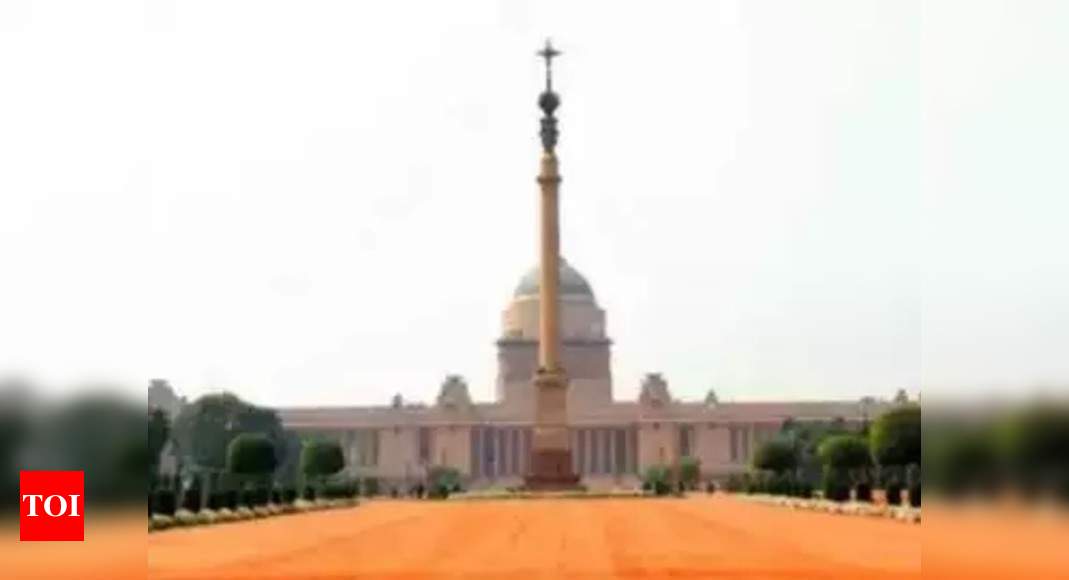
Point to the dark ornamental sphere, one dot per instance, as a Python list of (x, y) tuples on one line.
[(548, 101)]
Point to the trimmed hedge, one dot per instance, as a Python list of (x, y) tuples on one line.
[(191, 499), (836, 489), (656, 480), (341, 489), (371, 487), (163, 502), (894, 493), (863, 493)]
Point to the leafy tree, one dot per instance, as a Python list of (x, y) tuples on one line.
[(159, 428), (842, 456), (321, 458), (776, 455), (896, 437), (204, 429), (690, 472), (806, 437), (844, 453), (251, 454)]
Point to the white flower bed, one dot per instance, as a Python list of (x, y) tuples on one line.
[(900, 513)]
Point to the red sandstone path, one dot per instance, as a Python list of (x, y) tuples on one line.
[(702, 537)]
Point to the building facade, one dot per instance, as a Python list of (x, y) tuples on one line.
[(613, 441)]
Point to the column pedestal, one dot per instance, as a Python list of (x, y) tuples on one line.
[(551, 454)]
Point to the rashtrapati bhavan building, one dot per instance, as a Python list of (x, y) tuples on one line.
[(611, 440)]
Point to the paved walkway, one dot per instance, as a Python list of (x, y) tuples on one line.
[(511, 539)]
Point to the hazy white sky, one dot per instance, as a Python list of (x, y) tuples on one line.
[(330, 202)]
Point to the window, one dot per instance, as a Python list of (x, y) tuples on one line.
[(476, 452), (424, 445), (734, 435), (686, 441), (580, 450), (621, 451)]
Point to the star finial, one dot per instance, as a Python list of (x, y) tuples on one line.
[(549, 53)]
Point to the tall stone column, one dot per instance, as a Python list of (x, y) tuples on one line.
[(549, 297), (551, 457)]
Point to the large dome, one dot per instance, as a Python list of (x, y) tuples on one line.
[(572, 283)]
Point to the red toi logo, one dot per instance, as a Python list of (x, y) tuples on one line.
[(52, 506)]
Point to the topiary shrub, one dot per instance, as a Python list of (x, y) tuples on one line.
[(217, 500), (289, 495), (894, 493), (845, 453), (442, 481), (782, 484), (309, 493), (248, 497), (863, 492), (340, 490), (915, 495), (776, 455), (836, 488), (320, 459), (191, 499), (656, 480), (690, 472), (261, 495), (163, 502), (803, 489), (895, 436), (710, 487), (276, 496)]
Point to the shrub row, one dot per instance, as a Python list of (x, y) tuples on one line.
[(834, 488), (785, 485), (165, 501), (184, 518)]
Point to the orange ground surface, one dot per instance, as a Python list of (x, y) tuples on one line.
[(626, 538)]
